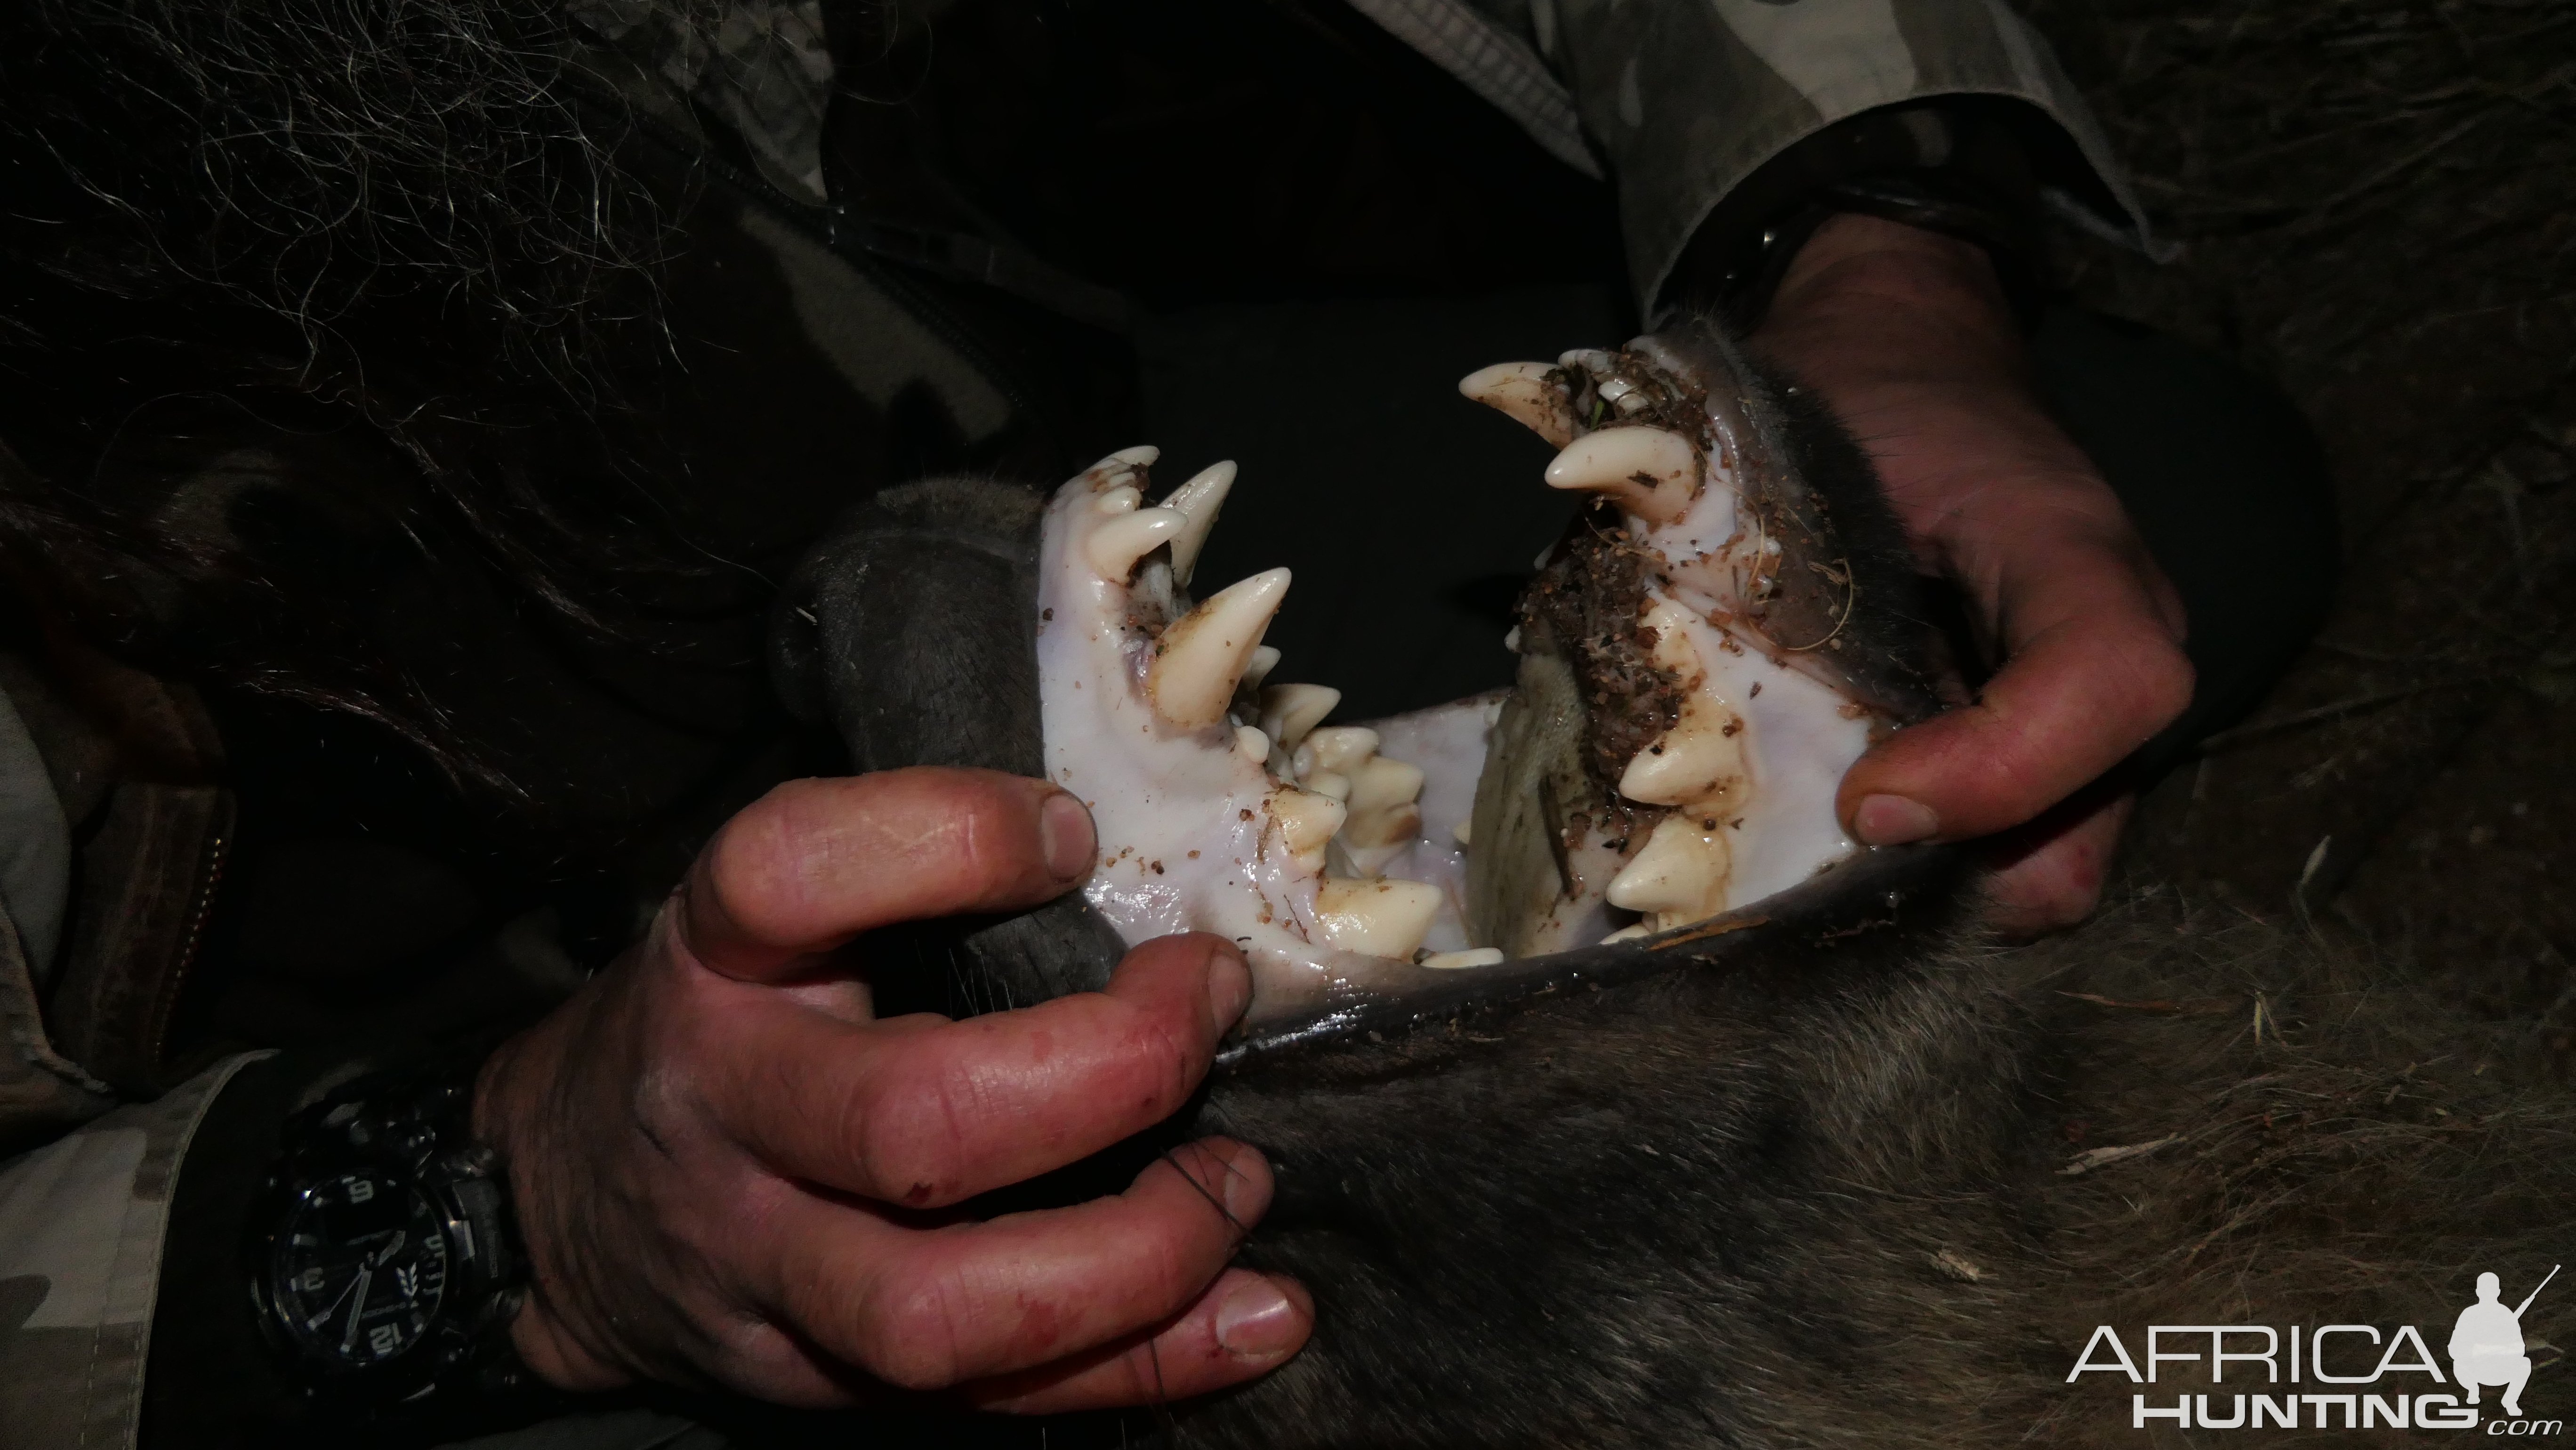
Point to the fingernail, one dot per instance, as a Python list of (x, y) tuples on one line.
[(1247, 1186), (1229, 986), (1065, 829), (1257, 1319), (1892, 820)]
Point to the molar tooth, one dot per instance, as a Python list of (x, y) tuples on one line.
[(1461, 833), (1265, 658), (1628, 933), (1197, 500), (1340, 747), (1289, 711), (1115, 546), (1307, 822), (1651, 472), (1251, 744), (1679, 876), (1521, 391), (1472, 957), (1699, 760), (1205, 652), (1376, 918), (1329, 782)]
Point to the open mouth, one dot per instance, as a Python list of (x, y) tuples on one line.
[(1701, 656)]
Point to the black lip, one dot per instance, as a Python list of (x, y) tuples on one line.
[(1881, 890)]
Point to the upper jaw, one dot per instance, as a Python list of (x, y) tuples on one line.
[(1360, 864)]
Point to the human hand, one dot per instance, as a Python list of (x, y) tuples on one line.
[(728, 1170), (1906, 336)]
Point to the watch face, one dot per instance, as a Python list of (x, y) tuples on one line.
[(357, 1270)]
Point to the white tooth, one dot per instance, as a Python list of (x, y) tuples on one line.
[(1521, 391), (1384, 817), (1115, 546), (1251, 744), (1472, 957), (1697, 761), (1123, 499), (1340, 747), (1628, 933), (1205, 652), (1143, 455), (1329, 782), (1679, 875), (1197, 500), (1376, 918), (1651, 472), (1460, 831), (1265, 658), (1307, 822), (1381, 784), (1289, 711), (1591, 359)]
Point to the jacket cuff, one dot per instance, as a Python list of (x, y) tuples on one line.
[(84, 1225)]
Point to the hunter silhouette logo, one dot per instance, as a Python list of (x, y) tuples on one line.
[(2322, 1376), (2486, 1343)]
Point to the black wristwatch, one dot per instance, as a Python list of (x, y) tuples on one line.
[(384, 1264)]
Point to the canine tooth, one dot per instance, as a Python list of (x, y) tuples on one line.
[(1205, 652), (1679, 876), (1650, 471), (1340, 747), (1115, 546), (1265, 658), (1306, 822), (1289, 711), (1472, 957), (1197, 501), (1251, 744), (1376, 918), (1521, 391)]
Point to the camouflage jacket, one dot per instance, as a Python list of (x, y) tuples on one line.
[(114, 812)]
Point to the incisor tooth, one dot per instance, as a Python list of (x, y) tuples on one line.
[(1471, 957), (1651, 472), (1126, 498), (1521, 391), (1143, 455), (1205, 652), (1376, 918), (1198, 501), (1115, 546), (1679, 876), (1307, 822), (1289, 711), (1251, 744)]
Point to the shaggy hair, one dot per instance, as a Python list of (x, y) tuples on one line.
[(286, 270)]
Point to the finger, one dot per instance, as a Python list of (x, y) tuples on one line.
[(1245, 1325), (815, 862), (929, 1309), (923, 1112), (2048, 875), (2093, 673)]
